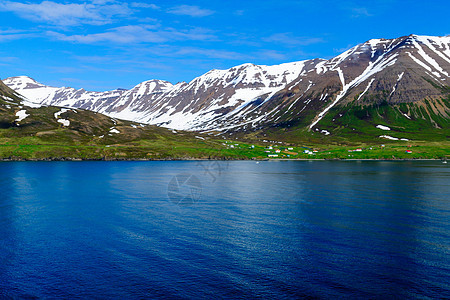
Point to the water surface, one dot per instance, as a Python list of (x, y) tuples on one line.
[(285, 229)]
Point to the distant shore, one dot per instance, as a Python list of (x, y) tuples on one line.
[(203, 159)]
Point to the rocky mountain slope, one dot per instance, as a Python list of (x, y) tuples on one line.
[(409, 75), (181, 106), (30, 131), (404, 70)]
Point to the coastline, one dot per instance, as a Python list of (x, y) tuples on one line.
[(203, 159)]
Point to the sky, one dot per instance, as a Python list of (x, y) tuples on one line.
[(103, 45)]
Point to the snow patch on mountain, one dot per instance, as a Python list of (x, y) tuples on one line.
[(64, 122), (114, 130), (21, 115), (382, 127), (392, 138), (57, 114), (367, 88)]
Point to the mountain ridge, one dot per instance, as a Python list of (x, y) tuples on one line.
[(247, 97)]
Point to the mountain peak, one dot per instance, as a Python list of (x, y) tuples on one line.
[(24, 79), (22, 83), (407, 69)]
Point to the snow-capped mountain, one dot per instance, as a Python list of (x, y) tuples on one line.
[(408, 69), (404, 70), (181, 106), (44, 95)]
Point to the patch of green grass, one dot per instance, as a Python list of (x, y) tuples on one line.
[(220, 149), (89, 136), (352, 124)]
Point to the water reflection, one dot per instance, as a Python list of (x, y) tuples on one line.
[(268, 229), (8, 243)]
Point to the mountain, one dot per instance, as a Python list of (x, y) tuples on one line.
[(46, 95), (22, 119), (30, 131), (402, 82), (182, 106), (404, 70)]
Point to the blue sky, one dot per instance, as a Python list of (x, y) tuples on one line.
[(101, 45)]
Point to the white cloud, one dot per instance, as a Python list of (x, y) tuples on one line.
[(289, 39), (13, 34), (120, 35), (144, 5), (343, 49), (102, 2), (8, 59), (194, 34), (271, 54), (136, 34), (210, 53), (189, 10), (360, 12), (94, 13)]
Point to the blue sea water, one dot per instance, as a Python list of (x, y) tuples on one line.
[(241, 229)]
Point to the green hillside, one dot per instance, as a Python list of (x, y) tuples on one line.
[(53, 133)]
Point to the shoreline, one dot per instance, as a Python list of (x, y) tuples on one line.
[(204, 159)]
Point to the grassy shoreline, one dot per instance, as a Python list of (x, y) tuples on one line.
[(195, 159), (224, 150), (92, 136)]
